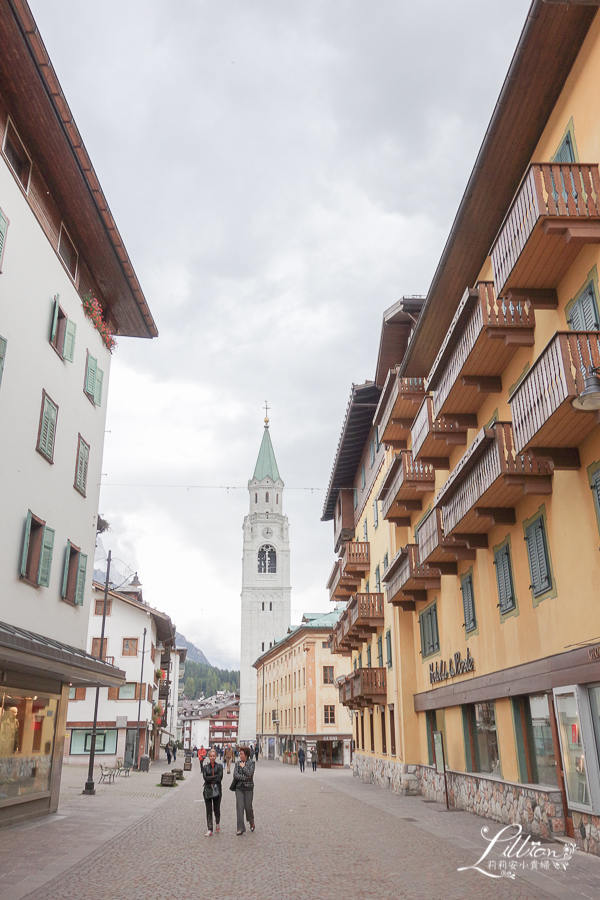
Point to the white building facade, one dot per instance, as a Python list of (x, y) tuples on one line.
[(266, 588)]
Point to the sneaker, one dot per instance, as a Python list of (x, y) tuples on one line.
[(208, 834), (218, 828)]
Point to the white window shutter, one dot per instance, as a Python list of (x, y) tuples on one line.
[(81, 570), (46, 557), (69, 345), (25, 552), (90, 375), (98, 387)]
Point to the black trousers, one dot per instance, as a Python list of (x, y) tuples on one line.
[(301, 764), (212, 803), (314, 764)]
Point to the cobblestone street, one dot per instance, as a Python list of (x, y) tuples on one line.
[(318, 835)]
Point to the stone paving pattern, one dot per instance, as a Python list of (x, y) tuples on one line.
[(318, 835)]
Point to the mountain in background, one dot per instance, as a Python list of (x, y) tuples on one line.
[(193, 654)]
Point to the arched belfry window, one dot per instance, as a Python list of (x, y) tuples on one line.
[(267, 560)]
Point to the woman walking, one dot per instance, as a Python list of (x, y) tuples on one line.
[(213, 776), (243, 778)]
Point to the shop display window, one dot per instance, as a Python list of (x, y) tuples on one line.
[(573, 753), (542, 748), (27, 727), (81, 741), (481, 738)]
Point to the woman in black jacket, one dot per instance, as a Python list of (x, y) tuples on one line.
[(243, 778), (213, 776)]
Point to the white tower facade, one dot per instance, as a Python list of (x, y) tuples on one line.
[(266, 589)]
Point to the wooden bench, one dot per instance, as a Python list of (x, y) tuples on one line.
[(178, 773), (168, 779)]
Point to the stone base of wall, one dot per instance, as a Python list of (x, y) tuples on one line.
[(587, 832), (539, 811)]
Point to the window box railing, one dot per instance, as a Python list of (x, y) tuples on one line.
[(435, 547), (484, 335), (403, 487), (487, 483), (363, 687), (541, 405), (408, 580), (554, 213), (398, 404), (355, 557), (433, 438), (365, 615)]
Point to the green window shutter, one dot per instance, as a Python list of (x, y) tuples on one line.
[(595, 485), (25, 552), (90, 375), (54, 321), (504, 578), (3, 343), (48, 429), (46, 557), (388, 647), (377, 580), (369, 657), (81, 570), (3, 229), (576, 318), (538, 557), (69, 345), (82, 466), (434, 628), (355, 498), (63, 593), (380, 651), (468, 603), (565, 153), (98, 387), (589, 310)]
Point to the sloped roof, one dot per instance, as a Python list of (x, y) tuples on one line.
[(266, 465)]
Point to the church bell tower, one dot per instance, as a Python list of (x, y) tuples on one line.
[(266, 590)]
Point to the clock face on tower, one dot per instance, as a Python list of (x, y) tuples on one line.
[(267, 532)]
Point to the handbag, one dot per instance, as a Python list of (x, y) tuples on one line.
[(215, 790), (232, 786)]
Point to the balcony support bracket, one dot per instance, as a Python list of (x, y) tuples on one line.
[(485, 384), (498, 514), (400, 521), (559, 457), (411, 505), (539, 299), (537, 485), (447, 568), (461, 420), (475, 541), (575, 233), (405, 424)]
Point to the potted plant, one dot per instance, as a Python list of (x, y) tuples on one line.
[(93, 310)]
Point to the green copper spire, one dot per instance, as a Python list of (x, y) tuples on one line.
[(266, 466)]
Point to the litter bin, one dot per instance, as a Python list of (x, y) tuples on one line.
[(144, 763)]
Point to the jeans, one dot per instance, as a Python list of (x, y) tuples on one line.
[(243, 802), (314, 764), (301, 764), (212, 803)]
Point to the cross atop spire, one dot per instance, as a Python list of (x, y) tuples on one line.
[(266, 414)]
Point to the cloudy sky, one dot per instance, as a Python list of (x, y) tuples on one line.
[(281, 172)]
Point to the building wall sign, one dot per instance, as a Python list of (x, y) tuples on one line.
[(456, 666), (594, 652)]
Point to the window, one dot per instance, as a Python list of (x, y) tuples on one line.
[(130, 647), (294, 681), (583, 315), (127, 692), (377, 441), (17, 155), (355, 498), (392, 732), (270, 606), (47, 427), (267, 560), (99, 611), (375, 514), (326, 645), (277, 499), (565, 153), (363, 478), (481, 738), (385, 562), (372, 451), (430, 639), (369, 657), (362, 730), (263, 645), (96, 647), (360, 660), (76, 693), (372, 729), (380, 651), (365, 531), (74, 575), (383, 734), (36, 557), (535, 750), (81, 467), (367, 586), (267, 497), (506, 592), (62, 333), (377, 579), (3, 230), (388, 647), (466, 586), (303, 677), (256, 498), (93, 380), (537, 552), (67, 252), (328, 675), (3, 343), (329, 715)]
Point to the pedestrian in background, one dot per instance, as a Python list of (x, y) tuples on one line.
[(212, 772), (168, 752), (174, 745), (228, 757), (243, 778), (256, 750), (313, 758), (301, 758), (201, 754)]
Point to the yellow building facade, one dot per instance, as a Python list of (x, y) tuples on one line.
[(298, 698), (487, 493)]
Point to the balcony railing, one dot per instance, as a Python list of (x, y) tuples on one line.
[(399, 402), (343, 518), (432, 438), (355, 557), (555, 211), (408, 580), (484, 335), (488, 481), (404, 486), (363, 687), (340, 585), (337, 645), (435, 547), (365, 615), (541, 405)]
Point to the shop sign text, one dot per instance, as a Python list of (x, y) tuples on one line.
[(456, 666)]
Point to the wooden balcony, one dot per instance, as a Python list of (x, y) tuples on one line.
[(363, 687), (435, 547), (356, 559), (398, 405), (404, 486), (484, 335), (555, 212), (543, 418), (365, 615), (343, 518), (337, 645), (488, 482), (341, 586), (408, 580), (432, 439)]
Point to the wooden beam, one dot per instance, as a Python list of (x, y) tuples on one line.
[(485, 384), (447, 568), (403, 423), (461, 553), (474, 541), (538, 299), (498, 514), (561, 457), (411, 505), (455, 437), (394, 444), (540, 485), (400, 521), (461, 420)]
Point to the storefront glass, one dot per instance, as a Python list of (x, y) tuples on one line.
[(572, 748), (543, 748), (330, 753), (106, 741), (487, 738), (594, 694), (27, 726)]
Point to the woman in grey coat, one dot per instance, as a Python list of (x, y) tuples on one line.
[(243, 777)]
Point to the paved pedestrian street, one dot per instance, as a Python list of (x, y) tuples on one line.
[(318, 836)]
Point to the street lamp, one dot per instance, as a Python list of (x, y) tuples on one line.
[(589, 399), (89, 785)]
